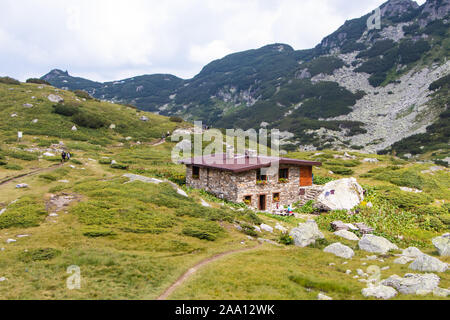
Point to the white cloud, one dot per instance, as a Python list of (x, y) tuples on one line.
[(114, 39)]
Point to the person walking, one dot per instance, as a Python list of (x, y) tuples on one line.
[(68, 155), (63, 156)]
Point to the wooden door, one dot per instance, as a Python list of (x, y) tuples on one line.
[(262, 202), (306, 179)]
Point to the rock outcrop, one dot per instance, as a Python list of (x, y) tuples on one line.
[(426, 263), (413, 283), (342, 194), (379, 292), (306, 234)]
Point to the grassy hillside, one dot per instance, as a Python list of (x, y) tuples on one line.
[(133, 240)]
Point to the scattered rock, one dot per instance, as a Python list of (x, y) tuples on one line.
[(35, 121), (257, 229), (338, 249), (266, 228), (342, 194), (22, 236), (323, 297), (135, 177), (182, 193), (412, 252), (3, 279), (144, 118), (364, 228), (306, 234), (380, 292), (347, 235), (370, 160), (403, 260), (74, 128), (348, 272), (406, 189), (21, 186), (55, 98), (2, 211), (339, 225), (205, 204), (371, 243), (442, 244), (279, 227), (28, 105), (64, 181), (412, 283), (10, 241), (112, 126), (48, 154), (371, 258), (426, 263), (385, 268)]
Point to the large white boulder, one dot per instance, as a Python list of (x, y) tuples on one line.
[(442, 245), (339, 250), (379, 292), (426, 263), (306, 234), (342, 194), (266, 228), (375, 244), (413, 283)]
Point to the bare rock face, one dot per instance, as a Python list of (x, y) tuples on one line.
[(344, 194), (306, 234), (347, 235), (375, 244), (413, 283)]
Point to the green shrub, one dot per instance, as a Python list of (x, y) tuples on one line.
[(319, 180), (3, 163), (321, 284), (249, 230), (431, 210), (48, 177), (402, 199), (89, 120), (38, 81), (44, 254), (13, 167), (432, 223), (342, 171), (176, 119), (119, 166), (203, 230), (105, 161), (83, 94), (75, 161), (97, 232), (286, 239), (308, 208), (445, 219), (26, 156), (25, 213), (8, 80), (66, 109)]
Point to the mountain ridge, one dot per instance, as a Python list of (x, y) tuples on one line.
[(278, 86)]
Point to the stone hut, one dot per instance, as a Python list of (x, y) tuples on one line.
[(262, 182)]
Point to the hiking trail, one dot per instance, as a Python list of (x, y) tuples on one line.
[(188, 274), (31, 173)]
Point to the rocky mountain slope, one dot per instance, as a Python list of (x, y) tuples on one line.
[(359, 88)]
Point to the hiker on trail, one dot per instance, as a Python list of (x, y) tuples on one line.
[(68, 155), (63, 156)]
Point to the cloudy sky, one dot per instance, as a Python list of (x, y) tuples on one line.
[(115, 39)]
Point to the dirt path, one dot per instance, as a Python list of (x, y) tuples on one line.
[(198, 266), (8, 180), (160, 142)]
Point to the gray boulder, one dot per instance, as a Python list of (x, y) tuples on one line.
[(439, 292), (375, 244), (55, 98), (442, 245), (379, 292), (266, 228), (413, 283), (403, 260), (426, 263), (347, 235), (412, 252), (306, 234), (323, 297), (338, 249)]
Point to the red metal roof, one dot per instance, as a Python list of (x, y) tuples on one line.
[(242, 163)]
